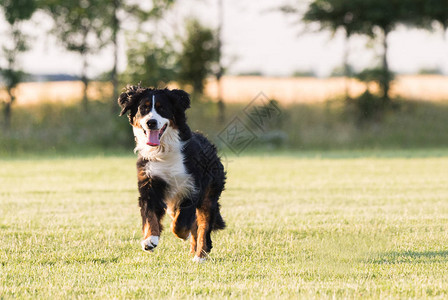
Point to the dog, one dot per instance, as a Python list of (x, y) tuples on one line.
[(179, 171)]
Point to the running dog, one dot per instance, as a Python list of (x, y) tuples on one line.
[(178, 171)]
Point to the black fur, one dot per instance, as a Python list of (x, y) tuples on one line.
[(201, 161)]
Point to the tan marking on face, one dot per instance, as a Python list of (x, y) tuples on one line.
[(173, 125), (136, 122)]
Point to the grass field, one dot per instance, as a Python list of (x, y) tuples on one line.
[(339, 225)]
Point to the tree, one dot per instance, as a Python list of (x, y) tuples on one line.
[(368, 17), (198, 58), (383, 15), (333, 15), (131, 11), (16, 12), (433, 10), (149, 62), (220, 68), (82, 27)]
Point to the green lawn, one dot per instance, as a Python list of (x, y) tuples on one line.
[(298, 226)]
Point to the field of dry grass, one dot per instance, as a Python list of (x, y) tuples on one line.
[(61, 91), (309, 90), (243, 89)]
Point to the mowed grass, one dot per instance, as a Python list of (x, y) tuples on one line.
[(298, 226)]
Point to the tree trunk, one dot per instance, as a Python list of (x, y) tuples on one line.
[(444, 68), (116, 27), (347, 73), (221, 106), (8, 108), (385, 80), (7, 115), (85, 81)]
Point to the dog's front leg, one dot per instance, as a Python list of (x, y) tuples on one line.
[(151, 231), (152, 207), (151, 228)]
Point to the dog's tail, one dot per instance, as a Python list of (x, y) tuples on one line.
[(219, 221)]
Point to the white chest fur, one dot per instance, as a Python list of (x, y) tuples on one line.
[(172, 170), (167, 163)]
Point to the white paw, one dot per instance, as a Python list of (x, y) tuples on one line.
[(150, 243), (188, 237), (198, 259)]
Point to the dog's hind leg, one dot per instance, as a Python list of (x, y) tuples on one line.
[(204, 220), (183, 220), (208, 218)]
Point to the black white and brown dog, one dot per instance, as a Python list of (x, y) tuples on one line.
[(179, 172)]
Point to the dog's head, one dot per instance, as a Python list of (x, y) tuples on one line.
[(154, 113)]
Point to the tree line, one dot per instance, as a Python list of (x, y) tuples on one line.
[(375, 19), (86, 27)]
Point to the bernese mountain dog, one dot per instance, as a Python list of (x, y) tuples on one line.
[(178, 171)]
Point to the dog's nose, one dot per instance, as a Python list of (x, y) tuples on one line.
[(152, 124)]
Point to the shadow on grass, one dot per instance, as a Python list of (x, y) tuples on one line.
[(414, 257)]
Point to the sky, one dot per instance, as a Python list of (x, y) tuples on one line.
[(255, 39)]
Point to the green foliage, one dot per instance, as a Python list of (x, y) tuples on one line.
[(336, 14), (15, 12), (251, 73), (430, 71), (199, 56), (151, 63), (433, 10), (18, 10), (370, 17), (376, 75), (157, 11), (150, 54), (341, 71), (303, 73), (81, 25), (154, 60), (12, 77), (362, 17), (368, 107), (383, 14)]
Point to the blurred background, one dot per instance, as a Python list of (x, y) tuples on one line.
[(341, 74)]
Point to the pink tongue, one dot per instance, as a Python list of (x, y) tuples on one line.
[(154, 138)]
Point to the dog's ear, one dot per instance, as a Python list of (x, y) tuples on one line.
[(181, 97), (129, 100)]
